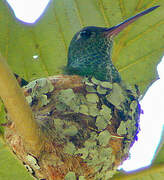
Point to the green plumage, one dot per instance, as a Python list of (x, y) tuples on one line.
[(90, 50), (89, 55)]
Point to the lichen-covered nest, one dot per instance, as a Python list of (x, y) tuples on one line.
[(89, 127)]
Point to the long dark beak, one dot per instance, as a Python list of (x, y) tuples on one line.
[(113, 31)]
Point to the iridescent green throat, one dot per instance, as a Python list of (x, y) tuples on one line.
[(90, 55)]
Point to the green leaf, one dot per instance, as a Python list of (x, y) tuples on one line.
[(10, 167), (2, 117), (137, 50)]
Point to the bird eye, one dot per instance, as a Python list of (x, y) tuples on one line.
[(85, 34)]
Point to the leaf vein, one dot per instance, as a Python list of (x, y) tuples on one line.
[(140, 2), (140, 35), (122, 9), (141, 59), (78, 14), (44, 67), (60, 31), (102, 10)]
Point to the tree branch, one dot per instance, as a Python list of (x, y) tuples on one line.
[(140, 173), (18, 109)]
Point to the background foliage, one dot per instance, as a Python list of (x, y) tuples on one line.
[(137, 50)]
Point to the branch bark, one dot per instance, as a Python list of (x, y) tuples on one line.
[(141, 173), (18, 109)]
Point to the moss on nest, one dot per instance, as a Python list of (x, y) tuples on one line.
[(86, 122)]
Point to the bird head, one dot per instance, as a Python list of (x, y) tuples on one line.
[(88, 49), (89, 52)]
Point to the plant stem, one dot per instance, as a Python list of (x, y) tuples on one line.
[(141, 173), (18, 109)]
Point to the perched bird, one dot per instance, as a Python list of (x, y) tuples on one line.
[(89, 123), (90, 51)]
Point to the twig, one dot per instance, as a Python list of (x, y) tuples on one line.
[(140, 173), (18, 109)]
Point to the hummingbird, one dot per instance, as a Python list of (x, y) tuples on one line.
[(78, 121), (89, 53)]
